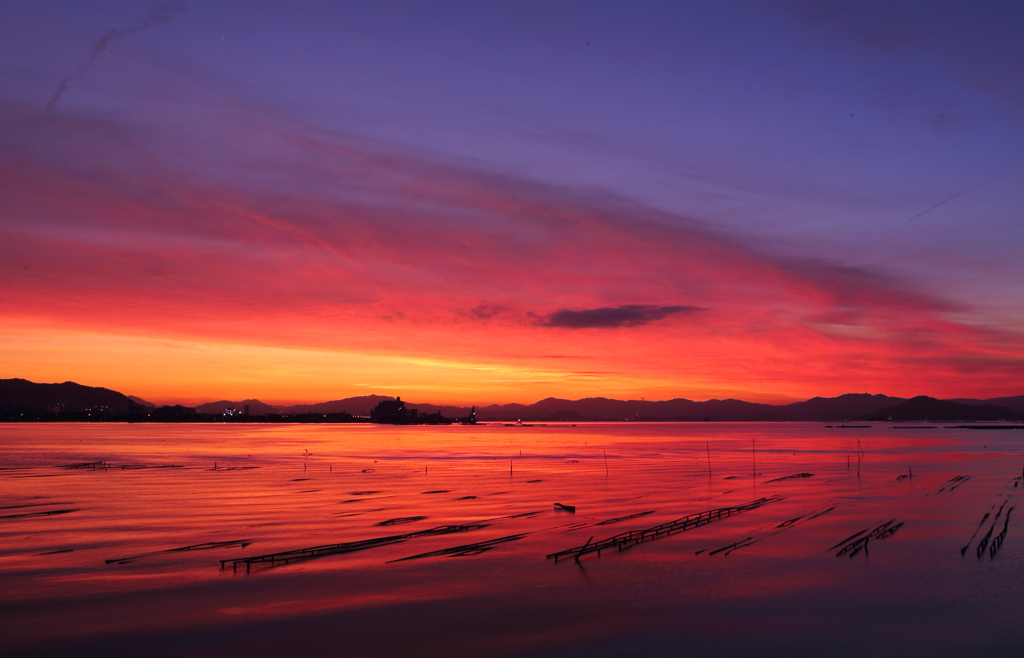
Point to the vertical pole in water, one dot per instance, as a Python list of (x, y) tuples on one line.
[(911, 471), (606, 463), (707, 446), (860, 453), (753, 457), (510, 468)]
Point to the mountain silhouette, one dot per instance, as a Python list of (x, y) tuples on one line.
[(16, 394), (357, 406), (256, 408), (142, 403), (1014, 403), (925, 408), (68, 396)]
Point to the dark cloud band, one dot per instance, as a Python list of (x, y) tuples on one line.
[(609, 317)]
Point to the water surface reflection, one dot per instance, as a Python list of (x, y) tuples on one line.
[(834, 562)]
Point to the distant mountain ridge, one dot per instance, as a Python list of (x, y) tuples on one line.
[(847, 406), (20, 393), (1014, 403), (926, 408), (357, 406), (256, 408), (68, 396)]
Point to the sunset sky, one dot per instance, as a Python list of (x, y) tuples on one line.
[(477, 202)]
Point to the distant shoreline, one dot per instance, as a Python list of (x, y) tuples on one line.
[(22, 400), (257, 420)]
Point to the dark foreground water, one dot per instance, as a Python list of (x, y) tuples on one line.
[(921, 587)]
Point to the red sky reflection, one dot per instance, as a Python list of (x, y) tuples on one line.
[(770, 576)]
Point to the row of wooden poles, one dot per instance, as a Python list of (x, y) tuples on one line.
[(284, 557), (634, 537)]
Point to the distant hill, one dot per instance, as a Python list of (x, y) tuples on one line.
[(357, 406), (256, 408), (923, 407), (142, 403), (844, 407), (504, 412), (361, 406), (1015, 403), (68, 396), (173, 413), (611, 410), (446, 410), (564, 416)]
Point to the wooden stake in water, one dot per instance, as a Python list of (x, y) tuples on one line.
[(583, 549), (707, 447), (605, 463), (753, 457), (510, 468)]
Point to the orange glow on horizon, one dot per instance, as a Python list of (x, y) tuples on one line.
[(176, 371)]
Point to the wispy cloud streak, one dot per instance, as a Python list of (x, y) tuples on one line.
[(950, 198), (159, 15)]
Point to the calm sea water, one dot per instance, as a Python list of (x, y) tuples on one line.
[(781, 589)]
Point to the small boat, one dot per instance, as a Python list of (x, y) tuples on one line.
[(568, 508)]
